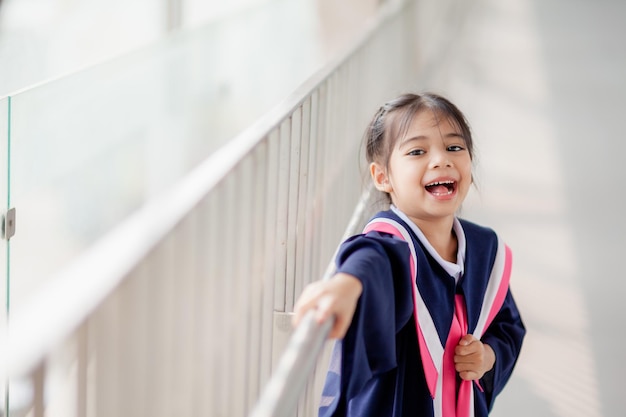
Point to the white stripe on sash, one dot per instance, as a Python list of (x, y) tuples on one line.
[(496, 289)]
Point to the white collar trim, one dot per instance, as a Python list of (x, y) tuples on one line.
[(455, 270)]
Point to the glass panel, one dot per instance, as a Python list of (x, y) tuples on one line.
[(91, 148), (42, 40), (4, 204), (4, 278)]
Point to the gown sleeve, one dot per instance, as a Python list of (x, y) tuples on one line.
[(504, 335), (378, 260)]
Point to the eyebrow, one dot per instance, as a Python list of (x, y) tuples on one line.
[(422, 137)]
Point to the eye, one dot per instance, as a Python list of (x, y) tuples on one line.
[(416, 152), (455, 148)]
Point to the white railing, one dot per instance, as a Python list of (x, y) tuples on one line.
[(182, 309)]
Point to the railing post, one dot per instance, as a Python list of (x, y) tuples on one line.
[(38, 380), (173, 15)]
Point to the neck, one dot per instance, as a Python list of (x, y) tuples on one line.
[(441, 236)]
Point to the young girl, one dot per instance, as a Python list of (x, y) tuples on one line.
[(421, 298)]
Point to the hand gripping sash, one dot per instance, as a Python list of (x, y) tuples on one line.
[(430, 346)]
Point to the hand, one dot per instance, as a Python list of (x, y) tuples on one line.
[(337, 296), (473, 358)]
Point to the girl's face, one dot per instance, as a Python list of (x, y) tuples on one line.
[(429, 171)]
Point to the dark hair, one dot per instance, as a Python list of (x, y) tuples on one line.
[(393, 119)]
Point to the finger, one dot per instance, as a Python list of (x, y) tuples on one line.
[(339, 330), (466, 356), (310, 292), (468, 375), (323, 309), (467, 340), (299, 311), (308, 300), (466, 366), (459, 359), (465, 348)]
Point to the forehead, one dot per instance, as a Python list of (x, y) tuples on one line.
[(428, 122)]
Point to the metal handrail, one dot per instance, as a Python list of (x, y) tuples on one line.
[(280, 396)]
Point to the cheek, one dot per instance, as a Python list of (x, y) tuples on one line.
[(469, 178), (466, 167)]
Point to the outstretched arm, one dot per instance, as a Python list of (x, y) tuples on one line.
[(337, 296)]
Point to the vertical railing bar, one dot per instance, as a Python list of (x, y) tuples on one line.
[(151, 310), (38, 384), (125, 340), (340, 156), (348, 183), (145, 351), (350, 157), (334, 158), (230, 367), (154, 309), (328, 157), (243, 274), (225, 296), (131, 335), (156, 376), (222, 383), (257, 262), (165, 272), (197, 252), (283, 212), (311, 224), (200, 383), (301, 233), (271, 243), (319, 177), (214, 348), (194, 243), (91, 368), (107, 371), (182, 275), (81, 371), (292, 214)]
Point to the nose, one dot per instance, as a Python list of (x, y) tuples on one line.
[(439, 158)]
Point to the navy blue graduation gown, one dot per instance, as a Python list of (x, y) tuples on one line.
[(376, 370)]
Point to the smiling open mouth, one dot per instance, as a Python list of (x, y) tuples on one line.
[(439, 188)]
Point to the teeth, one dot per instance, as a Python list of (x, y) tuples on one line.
[(439, 183)]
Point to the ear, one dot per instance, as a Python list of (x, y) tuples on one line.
[(380, 177)]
